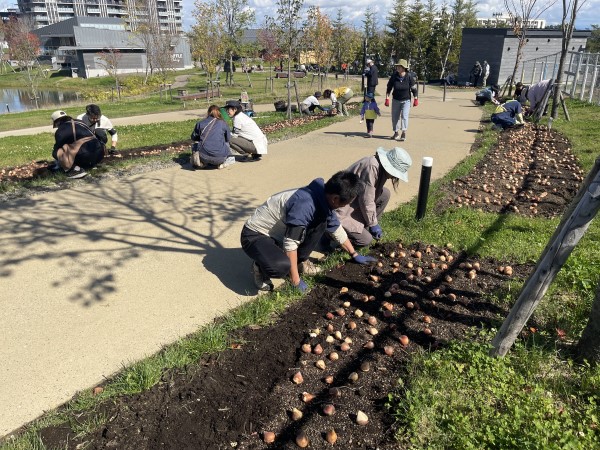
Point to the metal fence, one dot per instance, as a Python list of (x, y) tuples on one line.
[(581, 76)]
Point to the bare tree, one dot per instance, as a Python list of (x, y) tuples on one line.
[(522, 13), (270, 50), (236, 16), (207, 37), (570, 10), (318, 34), (2, 38), (285, 26), (109, 59), (24, 48)]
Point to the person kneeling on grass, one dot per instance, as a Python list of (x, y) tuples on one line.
[(508, 115), (282, 233), (211, 138), (361, 217), (101, 126), (76, 147), (246, 138)]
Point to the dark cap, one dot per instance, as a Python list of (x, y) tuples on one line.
[(232, 104), (318, 94)]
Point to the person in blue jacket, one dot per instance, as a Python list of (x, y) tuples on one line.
[(369, 112), (282, 233), (211, 136), (508, 115)]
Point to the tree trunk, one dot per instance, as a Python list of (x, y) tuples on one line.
[(589, 343), (289, 87), (567, 30)]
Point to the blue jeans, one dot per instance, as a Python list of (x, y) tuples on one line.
[(400, 112)]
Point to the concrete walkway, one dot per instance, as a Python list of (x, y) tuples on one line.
[(101, 275)]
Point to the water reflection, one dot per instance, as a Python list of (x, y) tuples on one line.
[(17, 100)]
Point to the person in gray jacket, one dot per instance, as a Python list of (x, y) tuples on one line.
[(361, 218)]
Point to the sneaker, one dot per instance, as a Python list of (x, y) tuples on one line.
[(370, 134), (395, 136), (261, 281), (229, 161), (308, 268), (113, 152), (403, 136), (75, 173), (256, 157)]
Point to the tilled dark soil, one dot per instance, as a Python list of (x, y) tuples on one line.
[(424, 294), (531, 171)]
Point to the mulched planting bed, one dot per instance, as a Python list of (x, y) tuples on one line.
[(39, 169), (338, 351), (530, 171)]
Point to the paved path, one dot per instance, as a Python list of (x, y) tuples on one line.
[(101, 275)]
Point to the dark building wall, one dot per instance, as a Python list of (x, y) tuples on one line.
[(499, 47)]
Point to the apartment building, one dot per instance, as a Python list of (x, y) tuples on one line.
[(166, 13)]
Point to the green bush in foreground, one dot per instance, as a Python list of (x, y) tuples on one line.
[(528, 400)]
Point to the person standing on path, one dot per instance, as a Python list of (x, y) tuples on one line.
[(211, 138), (400, 85), (101, 126), (361, 218), (369, 112), (247, 138), (372, 74), (486, 73), (475, 73), (281, 234)]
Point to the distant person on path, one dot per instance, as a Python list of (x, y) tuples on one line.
[(211, 138), (486, 73), (101, 126), (372, 74), (228, 68), (534, 93), (369, 112), (508, 114), (281, 234), (476, 71), (311, 103), (401, 85), (339, 97), (76, 147), (361, 217), (246, 138)]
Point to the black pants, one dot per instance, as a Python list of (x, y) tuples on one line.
[(371, 89), (270, 257), (89, 154), (370, 123)]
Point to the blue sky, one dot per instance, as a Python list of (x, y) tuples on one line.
[(354, 10)]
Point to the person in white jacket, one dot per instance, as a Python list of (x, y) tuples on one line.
[(246, 137)]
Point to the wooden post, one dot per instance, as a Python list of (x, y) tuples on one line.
[(573, 225), (564, 106), (297, 98)]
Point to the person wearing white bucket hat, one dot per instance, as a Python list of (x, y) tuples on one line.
[(360, 218)]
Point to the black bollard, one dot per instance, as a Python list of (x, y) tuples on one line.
[(7, 108), (445, 90), (424, 187), (423, 87)]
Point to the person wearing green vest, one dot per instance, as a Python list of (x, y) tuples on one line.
[(369, 112)]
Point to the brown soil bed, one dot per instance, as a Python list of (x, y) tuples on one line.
[(531, 171), (428, 294), (39, 169)]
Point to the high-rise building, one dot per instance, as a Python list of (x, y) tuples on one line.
[(167, 14)]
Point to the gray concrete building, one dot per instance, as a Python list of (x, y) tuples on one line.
[(77, 44), (166, 13), (498, 46)]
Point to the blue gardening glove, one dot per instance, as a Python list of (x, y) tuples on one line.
[(376, 231), (360, 259), (302, 287)]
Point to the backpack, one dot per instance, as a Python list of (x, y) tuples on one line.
[(66, 154)]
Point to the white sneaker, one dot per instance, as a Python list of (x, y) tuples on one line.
[(229, 161), (308, 268)]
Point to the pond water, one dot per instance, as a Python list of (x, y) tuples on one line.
[(18, 100)]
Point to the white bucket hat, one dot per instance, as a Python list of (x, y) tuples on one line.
[(396, 162)]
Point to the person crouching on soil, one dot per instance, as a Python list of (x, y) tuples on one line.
[(101, 126), (400, 85), (211, 138), (339, 97), (246, 138), (508, 115), (76, 147), (311, 103), (361, 217), (369, 112), (282, 233)]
